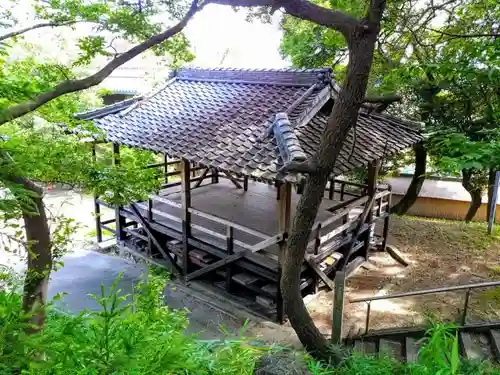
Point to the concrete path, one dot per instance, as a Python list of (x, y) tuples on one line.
[(85, 271)]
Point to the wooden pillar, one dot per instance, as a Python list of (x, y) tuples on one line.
[(371, 190), (186, 216), (230, 251), (331, 190), (120, 220), (97, 206), (278, 190), (245, 183), (165, 161), (285, 192), (387, 221), (215, 176)]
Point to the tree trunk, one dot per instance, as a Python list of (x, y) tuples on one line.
[(475, 194), (39, 260), (416, 183), (343, 117)]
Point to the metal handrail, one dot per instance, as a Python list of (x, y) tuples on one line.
[(428, 291), (467, 287)]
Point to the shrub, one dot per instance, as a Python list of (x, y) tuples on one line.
[(138, 337)]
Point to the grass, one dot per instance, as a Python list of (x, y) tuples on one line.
[(439, 355), (470, 237)]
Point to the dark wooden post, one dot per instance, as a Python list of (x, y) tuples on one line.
[(97, 206), (285, 212), (165, 161), (186, 216), (278, 190), (332, 189), (215, 176), (245, 183), (338, 307), (230, 251), (387, 221), (120, 220), (370, 191), (150, 220)]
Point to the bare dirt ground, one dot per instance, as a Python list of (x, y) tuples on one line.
[(440, 253)]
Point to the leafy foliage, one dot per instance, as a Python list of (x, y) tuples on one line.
[(138, 336), (439, 56), (439, 355)]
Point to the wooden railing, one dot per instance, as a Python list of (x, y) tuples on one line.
[(234, 249), (342, 188)]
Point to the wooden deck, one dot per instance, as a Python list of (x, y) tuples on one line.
[(255, 209), (231, 236)]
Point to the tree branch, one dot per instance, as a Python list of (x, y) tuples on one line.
[(33, 27), (490, 35), (305, 167), (385, 99), (304, 10), (70, 86)]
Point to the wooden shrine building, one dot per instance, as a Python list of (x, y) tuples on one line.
[(225, 209)]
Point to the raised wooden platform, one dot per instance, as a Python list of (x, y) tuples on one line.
[(230, 235)]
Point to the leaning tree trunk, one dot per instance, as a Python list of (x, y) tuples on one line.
[(343, 117), (39, 259), (475, 194), (416, 183)]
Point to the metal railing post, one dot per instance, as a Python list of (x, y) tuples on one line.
[(368, 311), (466, 306)]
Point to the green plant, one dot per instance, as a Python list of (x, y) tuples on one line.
[(129, 335)]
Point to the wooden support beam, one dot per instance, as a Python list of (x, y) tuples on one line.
[(186, 216), (214, 266), (230, 251), (165, 162), (97, 207), (233, 180), (320, 273), (284, 220), (149, 231), (245, 183), (331, 190), (120, 220), (338, 308), (387, 219), (371, 190), (215, 176), (201, 178)]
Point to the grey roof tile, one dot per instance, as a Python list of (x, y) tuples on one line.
[(223, 118)]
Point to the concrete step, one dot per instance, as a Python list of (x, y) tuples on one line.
[(495, 343), (391, 348), (411, 349), (470, 346), (365, 347)]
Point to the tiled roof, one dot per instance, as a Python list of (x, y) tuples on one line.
[(243, 121)]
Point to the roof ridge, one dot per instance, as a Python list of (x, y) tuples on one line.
[(288, 77), (152, 93), (108, 109)]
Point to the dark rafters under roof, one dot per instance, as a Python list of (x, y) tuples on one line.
[(247, 122)]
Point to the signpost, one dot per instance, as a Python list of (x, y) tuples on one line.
[(491, 218)]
